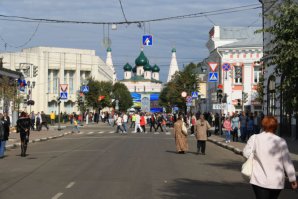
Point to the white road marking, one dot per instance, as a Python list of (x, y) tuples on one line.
[(112, 132), (58, 195), (70, 185), (100, 132), (168, 133), (156, 133), (81, 133), (90, 133)]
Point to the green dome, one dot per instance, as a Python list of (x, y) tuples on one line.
[(134, 69), (155, 68), (109, 49), (173, 50), (141, 60), (147, 67), (127, 67)]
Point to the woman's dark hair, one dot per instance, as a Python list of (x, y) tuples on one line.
[(23, 114)]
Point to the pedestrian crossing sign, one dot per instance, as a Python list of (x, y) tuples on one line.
[(213, 77), (195, 94), (63, 95), (85, 89)]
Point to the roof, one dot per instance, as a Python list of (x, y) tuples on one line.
[(10, 73), (140, 79), (246, 36)]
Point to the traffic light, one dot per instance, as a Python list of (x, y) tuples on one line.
[(219, 94), (244, 96), (35, 71), (238, 102), (25, 101), (224, 99), (80, 100)]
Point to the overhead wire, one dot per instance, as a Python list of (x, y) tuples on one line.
[(21, 45), (122, 10), (192, 15)]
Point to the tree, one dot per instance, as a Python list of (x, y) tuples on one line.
[(284, 54), (121, 93), (96, 89), (182, 81)]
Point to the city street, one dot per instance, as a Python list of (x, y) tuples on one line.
[(99, 164)]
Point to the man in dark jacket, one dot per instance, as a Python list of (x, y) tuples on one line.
[(23, 127), (43, 121), (4, 132)]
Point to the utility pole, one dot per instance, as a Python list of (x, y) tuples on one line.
[(59, 101)]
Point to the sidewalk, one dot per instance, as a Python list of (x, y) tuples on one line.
[(37, 136), (237, 147)]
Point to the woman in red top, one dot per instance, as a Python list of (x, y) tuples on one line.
[(143, 122)]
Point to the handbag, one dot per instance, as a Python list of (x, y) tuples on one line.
[(246, 169), (184, 129)]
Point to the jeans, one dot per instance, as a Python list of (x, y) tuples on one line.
[(243, 130), (124, 126), (2, 148), (119, 128), (228, 135), (264, 193), (235, 134), (201, 145), (76, 128)]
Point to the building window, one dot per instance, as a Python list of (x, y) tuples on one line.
[(49, 81), (238, 74), (55, 81), (257, 74), (70, 81)]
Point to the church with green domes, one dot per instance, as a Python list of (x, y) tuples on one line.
[(143, 83)]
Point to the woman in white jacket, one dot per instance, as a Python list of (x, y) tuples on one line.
[(271, 161)]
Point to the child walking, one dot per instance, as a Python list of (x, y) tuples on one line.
[(75, 125)]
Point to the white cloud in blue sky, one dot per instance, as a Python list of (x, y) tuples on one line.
[(189, 36)]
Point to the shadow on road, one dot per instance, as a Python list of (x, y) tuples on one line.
[(194, 189)]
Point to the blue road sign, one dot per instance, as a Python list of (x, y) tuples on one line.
[(147, 40), (226, 67), (63, 95), (213, 77), (194, 94), (85, 89)]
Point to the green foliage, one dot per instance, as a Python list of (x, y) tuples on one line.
[(182, 81), (96, 89), (121, 93), (284, 53), (109, 91), (260, 90), (8, 91)]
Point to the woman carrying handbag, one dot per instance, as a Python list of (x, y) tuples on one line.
[(270, 161), (180, 135)]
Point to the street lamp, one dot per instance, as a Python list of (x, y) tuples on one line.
[(30, 102)]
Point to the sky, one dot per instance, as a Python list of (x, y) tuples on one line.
[(188, 36)]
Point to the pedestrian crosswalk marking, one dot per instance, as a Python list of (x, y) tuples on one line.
[(168, 133), (90, 133), (112, 132), (100, 132), (156, 133)]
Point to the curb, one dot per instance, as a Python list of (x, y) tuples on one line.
[(226, 146), (18, 144)]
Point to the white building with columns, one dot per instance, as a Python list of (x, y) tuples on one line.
[(47, 66), (241, 48)]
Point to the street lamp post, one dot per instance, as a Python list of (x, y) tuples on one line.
[(30, 86), (219, 98)]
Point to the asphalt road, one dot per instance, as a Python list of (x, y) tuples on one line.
[(99, 164)]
